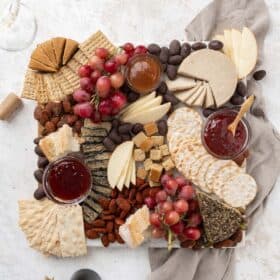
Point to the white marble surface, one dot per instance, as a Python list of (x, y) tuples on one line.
[(139, 21)]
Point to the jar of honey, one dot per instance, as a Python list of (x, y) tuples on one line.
[(143, 73)]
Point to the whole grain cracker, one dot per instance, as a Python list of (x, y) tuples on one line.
[(239, 190)]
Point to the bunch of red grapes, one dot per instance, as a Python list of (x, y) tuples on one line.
[(175, 210), (99, 95)]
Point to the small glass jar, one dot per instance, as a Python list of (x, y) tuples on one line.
[(143, 73), (218, 141), (67, 180)]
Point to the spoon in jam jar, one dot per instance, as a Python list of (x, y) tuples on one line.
[(243, 110)]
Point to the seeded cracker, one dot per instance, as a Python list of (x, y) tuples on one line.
[(219, 220)]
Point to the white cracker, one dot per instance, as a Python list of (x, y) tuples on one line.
[(195, 167), (239, 190)]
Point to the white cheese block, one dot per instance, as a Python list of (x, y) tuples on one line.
[(149, 104), (248, 53), (118, 161), (209, 99), (184, 95), (200, 99), (149, 115), (214, 67), (180, 83), (191, 99)]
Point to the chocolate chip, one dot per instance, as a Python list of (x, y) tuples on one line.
[(39, 193), (259, 75), (37, 140), (241, 89), (42, 162), (164, 55), (185, 50), (198, 46), (132, 96), (138, 127), (154, 49), (174, 47), (236, 99), (162, 89), (215, 45), (162, 127), (175, 59), (38, 151), (109, 144), (38, 174), (171, 72), (207, 112), (125, 128)]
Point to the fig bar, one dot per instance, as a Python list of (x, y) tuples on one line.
[(220, 221)]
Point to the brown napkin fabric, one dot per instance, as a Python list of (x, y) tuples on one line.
[(264, 161)]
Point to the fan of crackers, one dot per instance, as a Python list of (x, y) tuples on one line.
[(53, 66)]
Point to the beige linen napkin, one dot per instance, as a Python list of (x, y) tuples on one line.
[(264, 161)]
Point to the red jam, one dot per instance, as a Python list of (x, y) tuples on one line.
[(69, 179), (219, 140)]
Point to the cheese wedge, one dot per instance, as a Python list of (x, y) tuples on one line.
[(214, 67), (191, 99), (184, 95), (181, 83), (149, 104), (236, 44), (117, 163), (209, 99), (200, 100), (248, 53), (149, 115), (139, 102), (228, 42)]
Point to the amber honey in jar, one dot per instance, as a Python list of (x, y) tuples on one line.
[(143, 73)]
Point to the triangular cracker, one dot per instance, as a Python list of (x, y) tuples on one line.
[(70, 48)]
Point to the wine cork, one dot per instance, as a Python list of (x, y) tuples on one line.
[(9, 105)]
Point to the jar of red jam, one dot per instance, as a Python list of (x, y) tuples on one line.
[(67, 180), (143, 73), (219, 141)]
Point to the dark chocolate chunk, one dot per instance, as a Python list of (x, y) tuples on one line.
[(198, 46), (38, 151), (175, 59), (185, 50), (154, 49), (42, 162), (164, 55), (39, 193), (171, 72), (259, 75), (38, 174), (215, 45), (162, 89), (174, 47), (138, 127), (241, 89)]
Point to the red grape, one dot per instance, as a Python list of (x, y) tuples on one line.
[(103, 86), (158, 232), (128, 47), (95, 75), (81, 95), (105, 107), (119, 101), (86, 84), (171, 186), (164, 178), (166, 206), (102, 53), (121, 58), (194, 220), (155, 220), (84, 110), (161, 196), (178, 228), (181, 206), (187, 192), (84, 71), (193, 205), (140, 49), (150, 202), (171, 218), (181, 181), (96, 63), (96, 117), (111, 66), (192, 233), (117, 80)]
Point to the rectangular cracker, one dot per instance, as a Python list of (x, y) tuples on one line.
[(42, 91), (54, 90), (30, 84)]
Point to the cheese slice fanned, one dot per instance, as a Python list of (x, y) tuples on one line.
[(180, 83)]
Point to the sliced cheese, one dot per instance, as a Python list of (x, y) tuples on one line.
[(200, 100), (184, 95), (209, 99), (181, 83), (248, 53), (228, 42), (149, 115), (149, 104), (123, 174), (236, 43), (118, 161), (129, 171), (191, 99), (133, 173), (140, 102), (214, 67)]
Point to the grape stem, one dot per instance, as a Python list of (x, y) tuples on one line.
[(170, 241)]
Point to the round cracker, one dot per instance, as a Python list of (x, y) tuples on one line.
[(194, 169), (212, 171), (222, 177), (239, 190)]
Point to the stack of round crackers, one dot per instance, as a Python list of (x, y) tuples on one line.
[(224, 178)]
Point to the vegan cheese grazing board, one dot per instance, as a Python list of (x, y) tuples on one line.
[(135, 146)]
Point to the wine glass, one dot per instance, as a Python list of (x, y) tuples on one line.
[(18, 25)]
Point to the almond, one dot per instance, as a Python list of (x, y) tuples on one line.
[(105, 241), (119, 221), (110, 226), (124, 214), (132, 194), (99, 230), (118, 238), (111, 237), (139, 182), (104, 203), (50, 127), (66, 106), (139, 198), (114, 193), (98, 223), (112, 206), (123, 204), (91, 234), (107, 217)]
